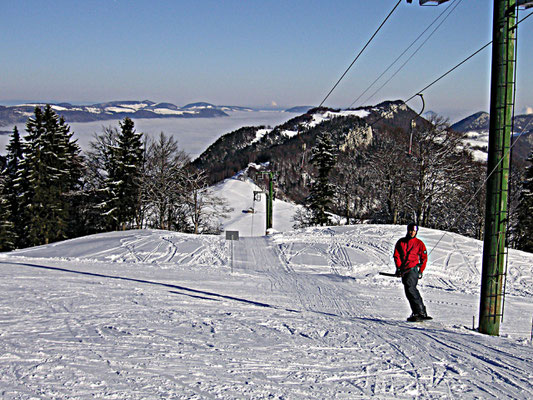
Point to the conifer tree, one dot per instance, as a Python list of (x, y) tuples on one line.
[(13, 159), (524, 227), (122, 207), (7, 234), (95, 203), (322, 191), (49, 171), (14, 153)]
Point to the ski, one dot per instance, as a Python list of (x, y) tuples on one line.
[(389, 274)]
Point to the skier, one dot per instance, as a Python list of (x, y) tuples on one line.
[(410, 257)]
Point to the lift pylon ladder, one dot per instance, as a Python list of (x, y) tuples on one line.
[(498, 164)]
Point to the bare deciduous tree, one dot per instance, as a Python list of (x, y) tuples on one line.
[(164, 183), (440, 167), (205, 208)]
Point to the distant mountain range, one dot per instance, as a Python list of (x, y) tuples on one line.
[(118, 110), (476, 126)]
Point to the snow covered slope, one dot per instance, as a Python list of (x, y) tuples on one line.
[(239, 194), (296, 315)]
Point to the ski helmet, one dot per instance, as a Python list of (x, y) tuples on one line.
[(412, 227)]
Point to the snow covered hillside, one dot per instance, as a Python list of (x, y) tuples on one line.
[(295, 315), (239, 195)]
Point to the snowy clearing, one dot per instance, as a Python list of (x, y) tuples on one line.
[(297, 315)]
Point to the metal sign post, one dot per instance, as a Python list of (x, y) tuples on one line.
[(232, 236)]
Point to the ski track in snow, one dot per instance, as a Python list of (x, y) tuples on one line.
[(299, 315)]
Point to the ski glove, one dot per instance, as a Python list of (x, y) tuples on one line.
[(420, 275)]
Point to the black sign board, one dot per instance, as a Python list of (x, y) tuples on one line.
[(232, 235)]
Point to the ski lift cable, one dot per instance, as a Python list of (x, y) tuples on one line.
[(523, 19), (434, 82), (462, 62), (361, 52), (431, 84), (449, 9), (453, 69), (443, 75), (412, 55)]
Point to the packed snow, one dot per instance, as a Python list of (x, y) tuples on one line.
[(259, 134), (249, 210), (298, 314), (478, 143), (318, 118)]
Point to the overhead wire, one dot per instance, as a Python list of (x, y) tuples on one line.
[(451, 10), (361, 52), (526, 17), (406, 50), (427, 87), (432, 83), (443, 75), (447, 72), (524, 130)]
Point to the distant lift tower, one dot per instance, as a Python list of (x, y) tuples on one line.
[(270, 199)]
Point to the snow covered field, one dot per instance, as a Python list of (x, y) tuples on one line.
[(296, 315)]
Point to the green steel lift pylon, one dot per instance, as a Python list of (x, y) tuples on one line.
[(270, 199), (500, 131)]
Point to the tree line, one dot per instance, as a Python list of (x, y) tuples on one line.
[(50, 190), (428, 177)]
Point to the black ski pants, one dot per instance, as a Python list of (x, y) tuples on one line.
[(410, 280)]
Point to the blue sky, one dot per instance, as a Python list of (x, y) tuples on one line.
[(247, 52)]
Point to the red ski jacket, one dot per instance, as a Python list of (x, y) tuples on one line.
[(410, 252)]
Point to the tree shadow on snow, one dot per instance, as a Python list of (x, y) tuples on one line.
[(196, 292)]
